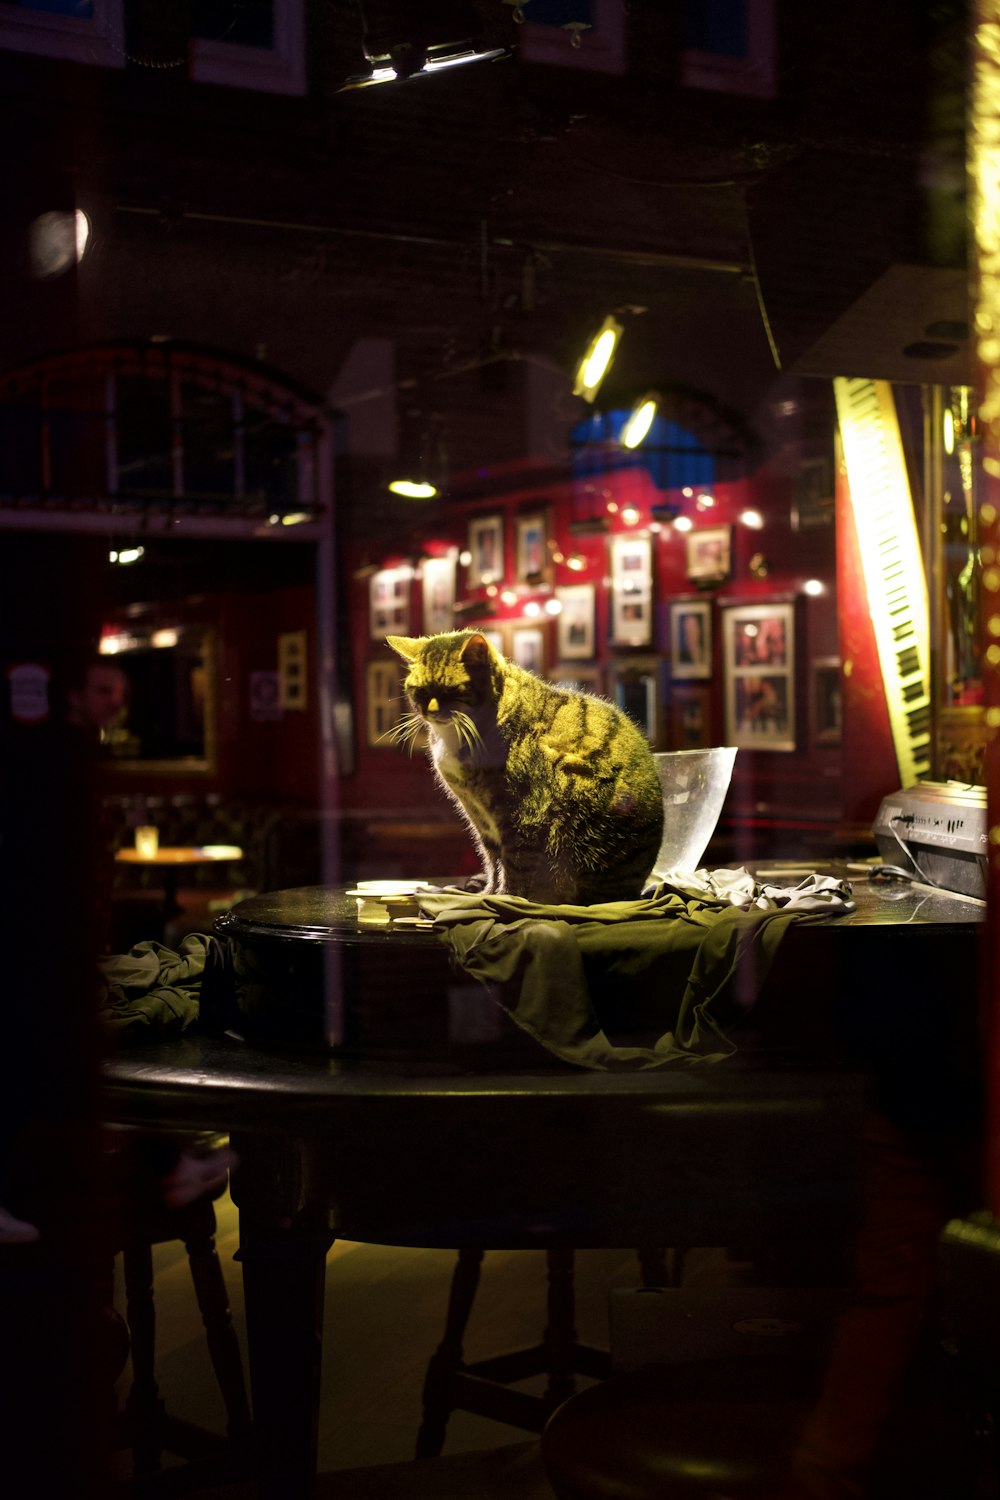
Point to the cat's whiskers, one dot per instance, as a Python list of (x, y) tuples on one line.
[(405, 732), (466, 731)]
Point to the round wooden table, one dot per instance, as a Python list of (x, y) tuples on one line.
[(170, 859)]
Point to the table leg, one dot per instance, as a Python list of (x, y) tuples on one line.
[(283, 1246)]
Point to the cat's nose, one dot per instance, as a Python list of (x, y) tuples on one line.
[(433, 706)]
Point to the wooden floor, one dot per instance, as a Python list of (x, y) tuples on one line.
[(385, 1311)]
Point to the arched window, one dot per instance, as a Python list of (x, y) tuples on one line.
[(153, 429)]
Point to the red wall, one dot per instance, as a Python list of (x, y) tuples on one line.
[(770, 789)]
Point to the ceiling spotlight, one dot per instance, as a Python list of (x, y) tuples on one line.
[(413, 41), (597, 359), (638, 422), (684, 523), (413, 489), (752, 518)]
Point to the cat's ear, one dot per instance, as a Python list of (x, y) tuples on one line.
[(477, 651), (408, 647)]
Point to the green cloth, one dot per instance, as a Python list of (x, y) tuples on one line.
[(697, 960), (151, 990)]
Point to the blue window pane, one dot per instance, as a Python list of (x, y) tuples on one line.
[(81, 10), (718, 26), (249, 23), (672, 456), (560, 12)]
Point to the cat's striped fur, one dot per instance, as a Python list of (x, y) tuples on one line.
[(559, 789)]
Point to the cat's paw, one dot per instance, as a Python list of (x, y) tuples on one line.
[(479, 885)]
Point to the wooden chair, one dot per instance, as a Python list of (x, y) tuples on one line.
[(146, 1426)]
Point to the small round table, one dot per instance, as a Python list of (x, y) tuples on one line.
[(170, 859)]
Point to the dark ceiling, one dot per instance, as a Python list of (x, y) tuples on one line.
[(500, 210)]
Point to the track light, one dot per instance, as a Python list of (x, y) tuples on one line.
[(408, 41), (413, 489), (597, 359), (638, 422)]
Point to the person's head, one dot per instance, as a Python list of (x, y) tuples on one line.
[(97, 699)]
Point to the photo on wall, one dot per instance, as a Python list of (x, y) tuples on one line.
[(631, 590), (438, 594), (575, 621), (759, 676), (708, 551), (691, 638), (389, 601), (486, 563), (528, 648), (532, 554)]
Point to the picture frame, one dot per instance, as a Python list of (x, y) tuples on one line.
[(574, 678), (689, 720), (759, 675), (708, 554), (826, 700), (438, 580), (631, 590), (384, 700), (389, 602), (575, 621), (532, 565), (690, 638), (527, 648), (635, 686), (486, 548), (496, 635)]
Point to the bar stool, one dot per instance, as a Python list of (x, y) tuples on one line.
[(484, 1386), (686, 1433), (141, 1220)]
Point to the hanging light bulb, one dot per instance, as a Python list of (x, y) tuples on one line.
[(638, 422), (597, 359)]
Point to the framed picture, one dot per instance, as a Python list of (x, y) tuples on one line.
[(635, 686), (709, 553), (759, 672), (486, 547), (527, 648), (439, 594), (573, 678), (496, 635), (689, 719), (631, 591), (532, 555), (389, 602), (691, 638), (575, 621), (812, 494), (826, 700), (385, 700)]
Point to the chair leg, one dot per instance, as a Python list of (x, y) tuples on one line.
[(559, 1337), (439, 1383), (143, 1408), (223, 1345)]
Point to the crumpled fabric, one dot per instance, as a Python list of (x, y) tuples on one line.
[(691, 960), (153, 990)]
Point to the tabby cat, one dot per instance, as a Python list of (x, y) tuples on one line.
[(559, 789)]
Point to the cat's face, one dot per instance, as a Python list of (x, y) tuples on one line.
[(453, 684), (449, 675)]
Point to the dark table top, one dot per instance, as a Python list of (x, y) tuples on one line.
[(425, 1149)]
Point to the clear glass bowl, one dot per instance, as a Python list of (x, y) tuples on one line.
[(695, 783)]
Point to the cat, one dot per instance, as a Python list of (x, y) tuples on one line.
[(559, 789)]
